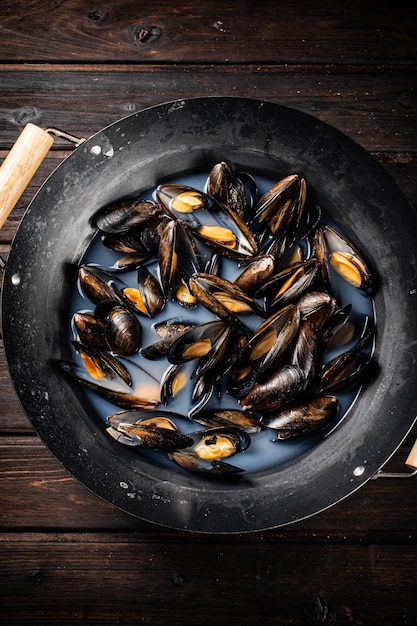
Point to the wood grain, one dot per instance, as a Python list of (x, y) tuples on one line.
[(377, 113), (209, 32), (135, 580)]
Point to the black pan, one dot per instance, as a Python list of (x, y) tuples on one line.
[(135, 154)]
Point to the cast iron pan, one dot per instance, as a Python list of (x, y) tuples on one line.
[(137, 153)]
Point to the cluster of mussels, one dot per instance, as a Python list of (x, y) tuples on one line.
[(267, 331)]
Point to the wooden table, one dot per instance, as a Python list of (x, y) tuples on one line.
[(67, 557)]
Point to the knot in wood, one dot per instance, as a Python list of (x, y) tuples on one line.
[(146, 34)]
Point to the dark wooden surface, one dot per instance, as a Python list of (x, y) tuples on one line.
[(66, 557)]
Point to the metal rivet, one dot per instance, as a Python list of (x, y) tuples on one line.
[(95, 150), (358, 471), (15, 280)]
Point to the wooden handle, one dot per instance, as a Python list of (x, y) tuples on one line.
[(412, 457), (20, 165)]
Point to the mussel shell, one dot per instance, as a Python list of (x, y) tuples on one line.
[(269, 342), (298, 418), (123, 331), (305, 353), (178, 257), (274, 388), (208, 219), (90, 329), (186, 346), (141, 239), (282, 206), (237, 190), (256, 274), (165, 419), (173, 327), (154, 437), (328, 242), (210, 446), (147, 299), (95, 284), (121, 216), (218, 182), (101, 365), (316, 306), (229, 418), (288, 285), (221, 297)]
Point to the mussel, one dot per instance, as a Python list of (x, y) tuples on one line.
[(210, 446), (146, 298), (229, 418), (90, 329), (299, 418), (237, 190), (158, 432), (334, 251), (211, 221), (178, 259), (265, 348), (274, 388), (124, 215), (145, 394), (221, 297), (282, 206)]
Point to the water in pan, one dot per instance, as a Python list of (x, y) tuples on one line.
[(263, 452)]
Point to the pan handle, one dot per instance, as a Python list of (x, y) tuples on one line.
[(20, 165), (411, 462)]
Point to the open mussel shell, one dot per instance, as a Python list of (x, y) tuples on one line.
[(180, 387), (265, 348), (178, 259), (335, 252), (211, 446), (146, 298), (100, 365), (118, 387), (282, 206), (299, 418), (210, 220), (142, 239), (221, 297), (289, 284), (123, 215), (350, 367), (197, 342), (236, 190), (168, 330), (151, 430), (317, 307)]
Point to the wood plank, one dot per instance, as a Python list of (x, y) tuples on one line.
[(114, 579), (379, 112), (207, 32), (47, 497)]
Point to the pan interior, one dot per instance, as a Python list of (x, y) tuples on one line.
[(264, 452)]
